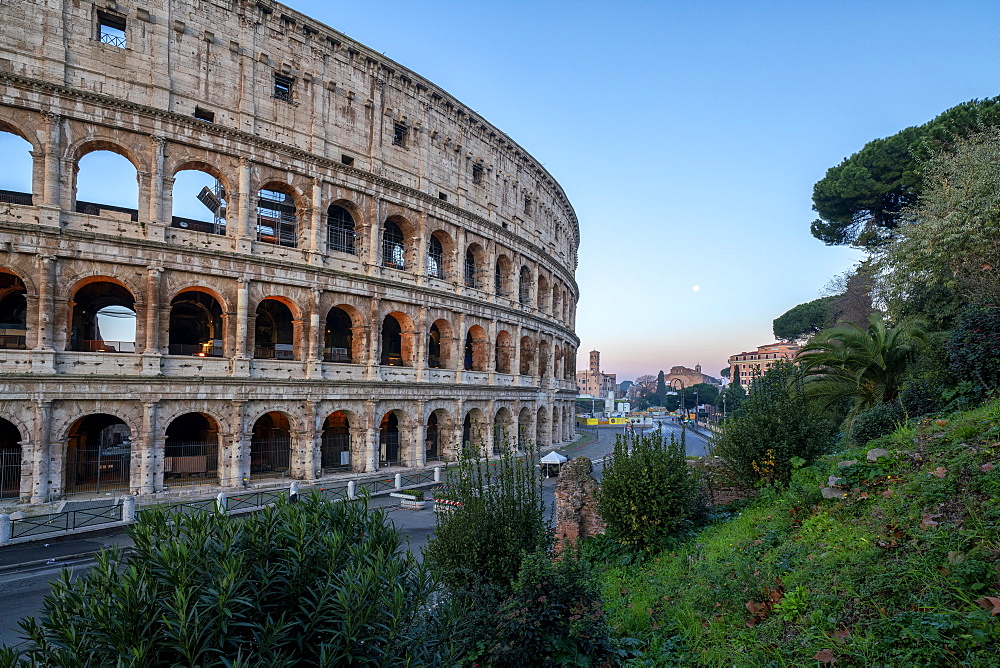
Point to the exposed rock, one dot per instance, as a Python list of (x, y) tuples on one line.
[(576, 503), (875, 453), (833, 492), (845, 464)]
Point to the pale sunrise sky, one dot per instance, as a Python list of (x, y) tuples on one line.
[(687, 135)]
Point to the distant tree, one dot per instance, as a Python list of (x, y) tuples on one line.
[(645, 385), (702, 393), (802, 321), (725, 372), (861, 200), (661, 388), (731, 398)]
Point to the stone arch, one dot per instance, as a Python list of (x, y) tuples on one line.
[(192, 163), (197, 324), (15, 127), (86, 145), (192, 447), (98, 454), (440, 345), (502, 271), (543, 293), (472, 265), (11, 459), (436, 426), (476, 349), (504, 430), (277, 322), (543, 358), (393, 425), (335, 441), (280, 209), (524, 285), (211, 217), (342, 328), (396, 340), (524, 437), (18, 167), (13, 311), (396, 249), (556, 301), (440, 254), (557, 424), (271, 445), (527, 356), (98, 298), (342, 218), (473, 432), (504, 352)]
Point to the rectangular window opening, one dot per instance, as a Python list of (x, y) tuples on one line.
[(477, 174), (283, 87), (347, 160), (399, 131), (443, 197), (527, 206), (204, 114), (111, 29)]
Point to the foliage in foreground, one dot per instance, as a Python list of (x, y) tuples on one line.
[(305, 584), (774, 426), (553, 617), (902, 571), (648, 493), (502, 516)]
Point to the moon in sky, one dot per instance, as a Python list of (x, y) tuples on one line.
[(696, 288)]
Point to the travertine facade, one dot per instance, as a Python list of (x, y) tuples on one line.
[(388, 275), (746, 366)]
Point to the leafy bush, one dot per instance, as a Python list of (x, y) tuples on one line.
[(974, 348), (553, 617), (876, 421), (306, 584), (502, 515), (648, 492), (773, 426)]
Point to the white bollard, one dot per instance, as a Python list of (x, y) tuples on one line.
[(399, 481), (4, 528), (293, 491), (221, 502), (128, 508), (437, 474), (351, 487)]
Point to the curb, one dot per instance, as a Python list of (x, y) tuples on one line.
[(55, 561)]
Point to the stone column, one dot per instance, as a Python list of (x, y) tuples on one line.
[(459, 347), (420, 241), (420, 329), (489, 429), (151, 352), (491, 353), (359, 446), (41, 457), (316, 244), (313, 367), (457, 427), (43, 359), (154, 210), (371, 419), (241, 360), (237, 455), (150, 451), (51, 192), (244, 211), (418, 457)]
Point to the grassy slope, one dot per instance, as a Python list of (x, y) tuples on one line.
[(897, 573)]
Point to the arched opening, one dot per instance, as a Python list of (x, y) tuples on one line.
[(501, 276), (543, 358), (542, 428), (472, 433), (543, 293), (191, 450), (473, 264), (434, 347), (335, 443), (432, 438), (393, 246), (195, 325), (504, 352), (556, 308), (570, 366), (524, 287), (10, 460), (556, 424), (475, 349), (523, 429), (276, 218), (503, 431), (274, 331), (198, 202), (392, 342), (98, 455), (340, 234), (107, 181), (527, 356), (270, 446), (435, 257), (16, 168), (338, 339), (388, 439), (13, 312), (103, 319)]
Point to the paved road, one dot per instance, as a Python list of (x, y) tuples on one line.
[(24, 589)]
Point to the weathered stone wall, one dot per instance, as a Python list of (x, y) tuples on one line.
[(67, 94), (577, 515)]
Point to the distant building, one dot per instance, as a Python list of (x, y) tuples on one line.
[(744, 367), (681, 377), (593, 382)]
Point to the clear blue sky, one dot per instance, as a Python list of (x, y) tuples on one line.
[(688, 136)]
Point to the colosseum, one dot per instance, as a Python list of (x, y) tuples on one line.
[(378, 275)]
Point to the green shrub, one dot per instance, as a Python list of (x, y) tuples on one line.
[(501, 517), (974, 349), (876, 421), (648, 492), (774, 425), (306, 584), (553, 617)]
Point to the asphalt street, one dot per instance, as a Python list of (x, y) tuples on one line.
[(27, 571)]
